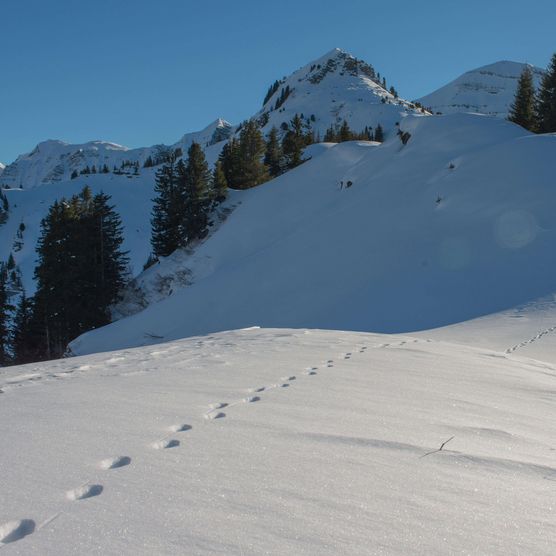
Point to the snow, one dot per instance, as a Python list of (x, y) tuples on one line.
[(2, 168), (268, 441), (452, 226), (486, 90)]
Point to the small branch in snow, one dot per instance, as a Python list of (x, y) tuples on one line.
[(153, 336), (439, 449)]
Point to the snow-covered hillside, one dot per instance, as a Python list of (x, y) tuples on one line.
[(451, 226), (2, 168), (486, 90), (281, 442)]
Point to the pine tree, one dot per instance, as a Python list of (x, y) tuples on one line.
[(194, 179), (4, 315), (252, 170), (522, 111), (546, 106), (80, 271), (345, 133), (22, 333), (230, 160), (331, 136), (295, 141), (274, 158), (219, 184), (379, 134), (168, 211)]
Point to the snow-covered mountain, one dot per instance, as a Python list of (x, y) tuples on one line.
[(54, 161), (2, 168), (486, 90), (337, 86), (447, 227), (334, 87)]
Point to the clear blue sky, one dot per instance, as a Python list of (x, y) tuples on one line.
[(139, 73)]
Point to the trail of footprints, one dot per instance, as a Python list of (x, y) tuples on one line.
[(18, 529)]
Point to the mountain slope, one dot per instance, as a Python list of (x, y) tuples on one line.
[(486, 90), (448, 227), (280, 442), (334, 87)]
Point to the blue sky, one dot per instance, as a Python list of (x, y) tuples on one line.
[(139, 73)]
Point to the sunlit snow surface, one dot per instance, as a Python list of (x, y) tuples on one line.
[(268, 441)]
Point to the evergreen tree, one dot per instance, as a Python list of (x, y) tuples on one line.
[(522, 111), (80, 271), (168, 211), (4, 315), (274, 158), (345, 133), (219, 184), (546, 106), (74, 174), (252, 170), (23, 338), (194, 180), (230, 160), (330, 136), (379, 134), (295, 141)]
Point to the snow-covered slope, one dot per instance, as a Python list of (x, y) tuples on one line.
[(280, 442), (453, 225), (2, 168), (486, 90)]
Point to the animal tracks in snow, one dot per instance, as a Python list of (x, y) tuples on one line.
[(15, 530), (114, 463), (180, 428), (85, 491), (165, 444), (531, 340)]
